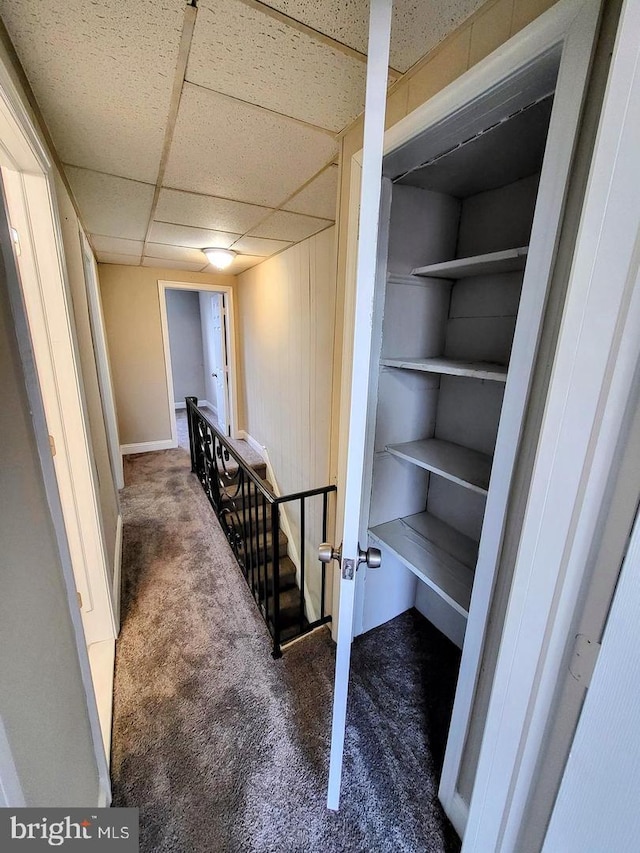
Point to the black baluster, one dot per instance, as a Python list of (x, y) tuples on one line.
[(302, 563), (323, 565), (275, 550)]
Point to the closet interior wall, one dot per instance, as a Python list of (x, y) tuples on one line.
[(452, 268)]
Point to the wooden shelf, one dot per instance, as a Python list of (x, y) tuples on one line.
[(473, 369), (509, 260), (440, 556), (468, 468)]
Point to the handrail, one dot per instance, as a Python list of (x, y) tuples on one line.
[(251, 522)]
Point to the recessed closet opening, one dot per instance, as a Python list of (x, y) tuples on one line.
[(462, 201)]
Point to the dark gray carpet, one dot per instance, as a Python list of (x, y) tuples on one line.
[(225, 750)]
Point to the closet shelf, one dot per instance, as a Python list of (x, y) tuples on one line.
[(468, 468), (440, 556), (509, 260), (473, 369)]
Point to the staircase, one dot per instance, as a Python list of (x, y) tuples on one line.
[(255, 547), (248, 511)]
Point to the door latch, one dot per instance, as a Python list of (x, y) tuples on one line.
[(348, 567)]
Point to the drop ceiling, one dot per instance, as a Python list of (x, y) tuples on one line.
[(183, 127)]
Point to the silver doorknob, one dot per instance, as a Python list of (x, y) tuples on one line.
[(326, 553), (372, 557)]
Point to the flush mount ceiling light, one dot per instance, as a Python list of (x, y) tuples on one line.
[(219, 258)]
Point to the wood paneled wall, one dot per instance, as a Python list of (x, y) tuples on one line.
[(286, 340)]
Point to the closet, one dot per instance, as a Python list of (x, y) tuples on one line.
[(452, 285), (458, 236), (454, 243)]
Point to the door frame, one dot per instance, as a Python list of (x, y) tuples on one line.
[(101, 351), (41, 306), (230, 344), (594, 379), (569, 26)]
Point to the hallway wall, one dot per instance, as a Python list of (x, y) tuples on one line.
[(76, 277), (286, 326), (42, 701), (134, 335)]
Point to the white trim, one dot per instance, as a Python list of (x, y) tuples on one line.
[(102, 658), (546, 31), (574, 66), (99, 336), (117, 574), (252, 442), (367, 255), (597, 805), (593, 377), (11, 795), (148, 446), (22, 150), (230, 344)]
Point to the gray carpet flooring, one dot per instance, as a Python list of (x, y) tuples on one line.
[(225, 750)]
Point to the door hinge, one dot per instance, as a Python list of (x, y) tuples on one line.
[(52, 445), (348, 569), (15, 238), (583, 660)]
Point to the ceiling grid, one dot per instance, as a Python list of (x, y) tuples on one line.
[(184, 126)]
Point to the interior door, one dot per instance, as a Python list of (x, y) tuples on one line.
[(219, 366), (377, 65)]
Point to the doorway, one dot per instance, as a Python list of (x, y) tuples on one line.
[(199, 348)]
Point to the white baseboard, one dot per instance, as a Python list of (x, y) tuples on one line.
[(148, 446), (102, 657), (259, 448), (117, 575), (458, 813)]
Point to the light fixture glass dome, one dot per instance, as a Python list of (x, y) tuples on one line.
[(219, 258)]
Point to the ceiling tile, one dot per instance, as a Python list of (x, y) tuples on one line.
[(289, 226), (284, 70), (116, 245), (168, 264), (102, 73), (185, 235), (258, 246), (115, 258), (416, 27), (204, 211), (319, 197), (222, 147), (240, 264), (112, 207), (175, 253)]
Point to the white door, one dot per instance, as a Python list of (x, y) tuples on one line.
[(219, 360), (597, 805), (377, 64)]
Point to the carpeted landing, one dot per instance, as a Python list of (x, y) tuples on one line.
[(225, 750)]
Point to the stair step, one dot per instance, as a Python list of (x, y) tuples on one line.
[(287, 577), (290, 623), (252, 494)]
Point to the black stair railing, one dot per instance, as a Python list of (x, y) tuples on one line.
[(249, 513)]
